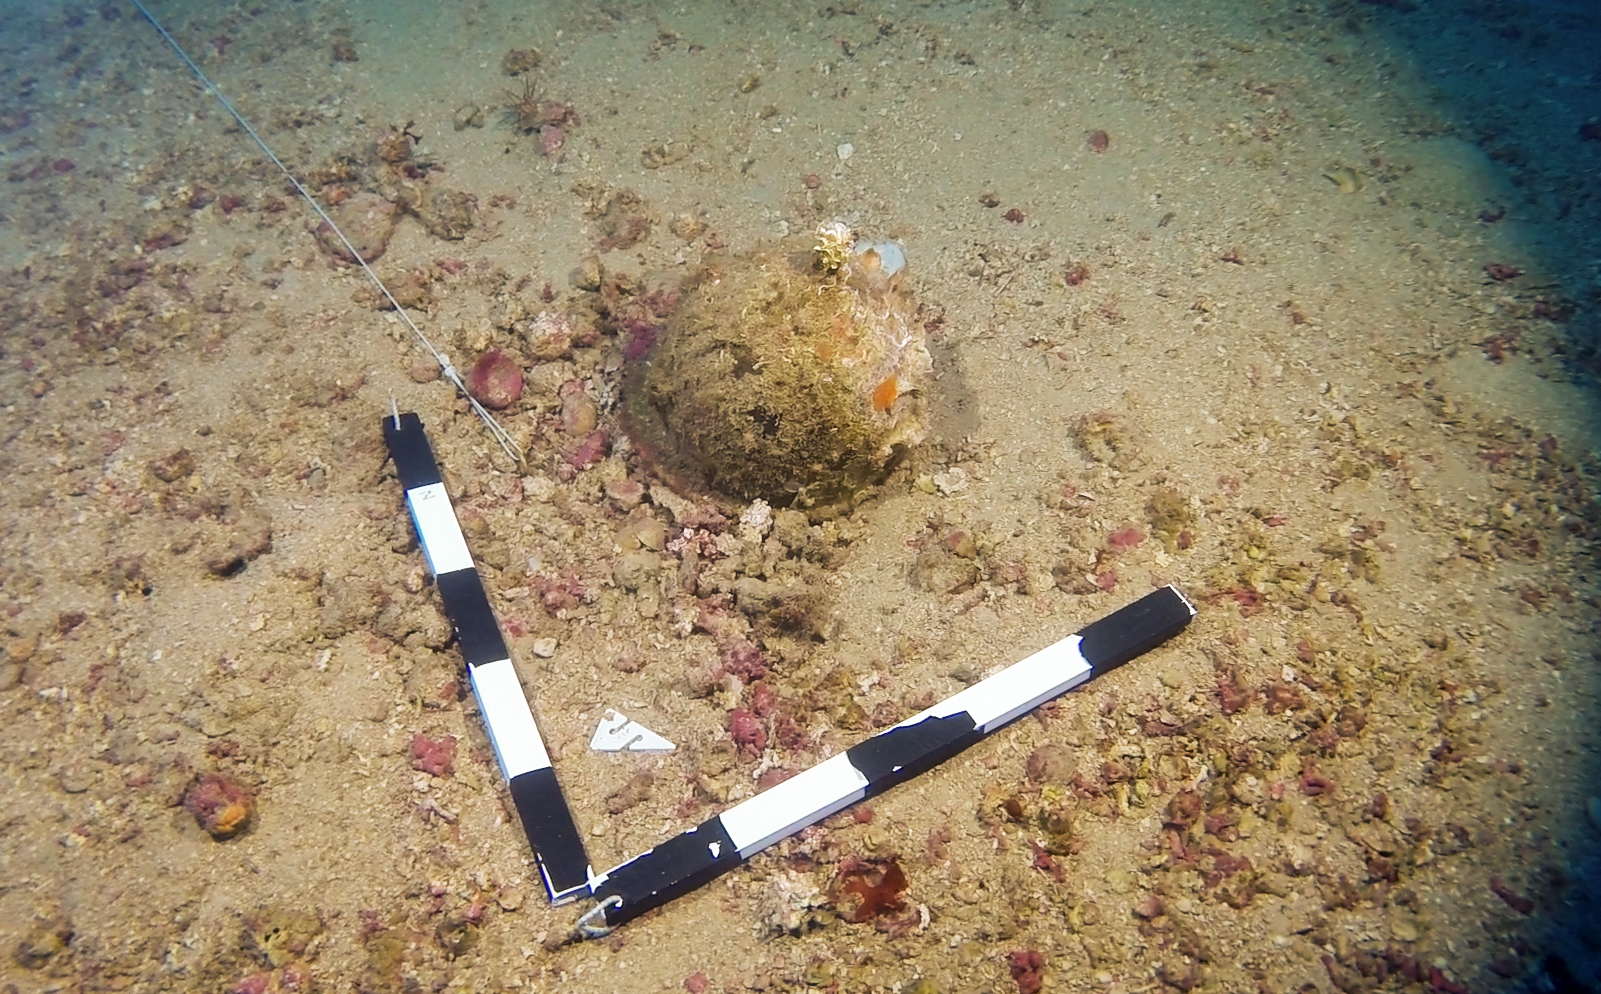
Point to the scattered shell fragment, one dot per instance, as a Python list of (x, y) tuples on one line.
[(665, 154), (1346, 178), (687, 226), (521, 60), (951, 482), (783, 904), (588, 274), (1404, 927), (845, 151), (469, 116)]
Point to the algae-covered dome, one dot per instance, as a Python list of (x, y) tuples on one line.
[(788, 374)]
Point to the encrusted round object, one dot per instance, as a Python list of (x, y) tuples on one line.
[(789, 375), (220, 805)]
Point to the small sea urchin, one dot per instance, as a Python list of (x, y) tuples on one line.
[(527, 113), (522, 109)]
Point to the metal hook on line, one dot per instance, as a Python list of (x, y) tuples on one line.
[(598, 931)]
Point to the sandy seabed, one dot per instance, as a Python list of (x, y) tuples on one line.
[(1293, 305)]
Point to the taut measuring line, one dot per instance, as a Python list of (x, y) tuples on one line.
[(502, 436)]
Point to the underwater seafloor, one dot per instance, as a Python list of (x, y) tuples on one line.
[(1293, 305)]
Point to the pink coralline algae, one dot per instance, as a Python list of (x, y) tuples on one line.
[(762, 700), (743, 659), (747, 731), (550, 336), (642, 334), (286, 980), (551, 141), (496, 380), (1124, 539), (433, 756), (558, 593), (581, 453)]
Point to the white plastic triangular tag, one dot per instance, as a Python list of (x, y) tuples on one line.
[(616, 733)]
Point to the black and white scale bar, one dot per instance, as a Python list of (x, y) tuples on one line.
[(894, 756), (545, 816)]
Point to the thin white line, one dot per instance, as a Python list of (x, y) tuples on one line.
[(501, 434)]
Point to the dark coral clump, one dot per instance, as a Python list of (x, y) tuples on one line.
[(1028, 970), (864, 889)]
